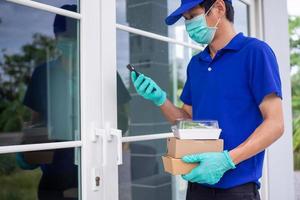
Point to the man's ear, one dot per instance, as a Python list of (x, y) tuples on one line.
[(221, 8)]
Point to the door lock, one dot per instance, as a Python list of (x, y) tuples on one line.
[(96, 172), (97, 179)]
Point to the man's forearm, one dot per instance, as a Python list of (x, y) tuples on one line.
[(172, 113), (265, 135)]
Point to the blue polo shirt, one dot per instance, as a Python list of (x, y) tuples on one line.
[(230, 88)]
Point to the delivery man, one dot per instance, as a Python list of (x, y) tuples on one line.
[(236, 81)]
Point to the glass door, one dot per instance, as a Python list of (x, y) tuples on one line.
[(40, 111), (49, 100), (162, 53)]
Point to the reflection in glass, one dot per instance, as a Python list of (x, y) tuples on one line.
[(60, 3), (39, 76), (21, 176)]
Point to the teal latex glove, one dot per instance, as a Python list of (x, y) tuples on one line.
[(212, 167), (148, 89), (23, 164)]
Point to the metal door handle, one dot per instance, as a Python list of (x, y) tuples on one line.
[(118, 134), (106, 136), (103, 135)]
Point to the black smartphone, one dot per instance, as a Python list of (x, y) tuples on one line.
[(132, 69)]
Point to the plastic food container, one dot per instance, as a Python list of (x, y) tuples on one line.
[(197, 130)]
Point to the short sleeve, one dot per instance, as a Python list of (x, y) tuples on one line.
[(186, 95), (265, 78)]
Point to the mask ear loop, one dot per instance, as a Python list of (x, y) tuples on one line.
[(210, 10), (218, 22)]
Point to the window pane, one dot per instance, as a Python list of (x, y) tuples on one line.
[(61, 3), (142, 174), (42, 175), (39, 76), (150, 16), (241, 19), (165, 63)]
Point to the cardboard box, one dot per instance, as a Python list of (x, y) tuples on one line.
[(178, 148), (176, 166)]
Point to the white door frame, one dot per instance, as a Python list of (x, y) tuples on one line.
[(91, 100)]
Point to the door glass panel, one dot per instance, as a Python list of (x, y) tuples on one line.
[(165, 63), (150, 16), (43, 175), (61, 3), (241, 19), (142, 174), (39, 76)]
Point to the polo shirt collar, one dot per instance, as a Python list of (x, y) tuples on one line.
[(235, 44), (205, 55)]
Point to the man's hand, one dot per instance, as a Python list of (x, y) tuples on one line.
[(148, 89), (212, 167)]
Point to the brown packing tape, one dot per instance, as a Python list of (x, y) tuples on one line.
[(177, 148), (177, 166)]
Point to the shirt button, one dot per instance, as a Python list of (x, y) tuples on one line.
[(209, 69)]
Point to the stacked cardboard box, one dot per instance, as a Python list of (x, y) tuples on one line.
[(177, 148)]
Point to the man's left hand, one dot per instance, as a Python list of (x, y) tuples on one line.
[(212, 167)]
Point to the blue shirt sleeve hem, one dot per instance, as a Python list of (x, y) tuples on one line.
[(278, 93), (185, 101)]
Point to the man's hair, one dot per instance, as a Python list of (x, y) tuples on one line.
[(229, 8), (65, 26)]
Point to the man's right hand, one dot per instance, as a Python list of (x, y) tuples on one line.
[(148, 89)]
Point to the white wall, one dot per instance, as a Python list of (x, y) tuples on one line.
[(280, 162)]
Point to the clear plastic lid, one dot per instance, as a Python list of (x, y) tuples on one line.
[(191, 124)]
